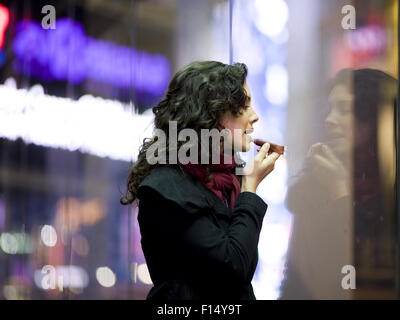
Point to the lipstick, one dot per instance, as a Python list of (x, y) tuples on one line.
[(273, 147)]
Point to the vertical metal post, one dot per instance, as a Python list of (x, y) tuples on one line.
[(397, 120), (230, 31)]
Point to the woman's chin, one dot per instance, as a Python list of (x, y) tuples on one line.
[(339, 146), (246, 143), (245, 147)]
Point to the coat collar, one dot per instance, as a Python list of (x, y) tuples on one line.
[(178, 186)]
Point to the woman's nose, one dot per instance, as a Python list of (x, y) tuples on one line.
[(331, 122), (254, 118), (331, 119)]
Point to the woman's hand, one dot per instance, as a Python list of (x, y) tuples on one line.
[(327, 169), (257, 169)]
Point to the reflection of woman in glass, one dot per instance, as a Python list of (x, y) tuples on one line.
[(343, 199), (199, 223)]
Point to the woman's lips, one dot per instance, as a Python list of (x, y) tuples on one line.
[(336, 140), (248, 133), (334, 134)]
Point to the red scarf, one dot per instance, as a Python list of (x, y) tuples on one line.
[(223, 178)]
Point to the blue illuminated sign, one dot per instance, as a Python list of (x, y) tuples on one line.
[(67, 54)]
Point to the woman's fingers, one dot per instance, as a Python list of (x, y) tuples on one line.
[(329, 153), (263, 152), (269, 151), (261, 166), (265, 156), (325, 157), (315, 148), (274, 156), (320, 160)]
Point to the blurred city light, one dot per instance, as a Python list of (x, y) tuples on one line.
[(243, 38), (282, 37), (80, 245), (2, 213), (15, 243), (276, 86), (48, 235), (143, 274), (8, 243), (272, 249), (10, 292), (68, 276), (79, 212), (140, 271), (260, 34), (42, 54), (271, 16), (273, 189), (31, 115), (369, 39), (4, 19), (106, 277), (274, 242)]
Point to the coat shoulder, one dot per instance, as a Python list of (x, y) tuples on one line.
[(175, 185)]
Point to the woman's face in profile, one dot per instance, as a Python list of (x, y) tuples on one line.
[(339, 123), (241, 126)]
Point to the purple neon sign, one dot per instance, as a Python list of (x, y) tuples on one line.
[(67, 54)]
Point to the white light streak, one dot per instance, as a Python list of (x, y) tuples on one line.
[(105, 128)]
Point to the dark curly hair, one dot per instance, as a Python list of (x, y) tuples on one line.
[(196, 98)]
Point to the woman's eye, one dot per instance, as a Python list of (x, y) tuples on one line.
[(344, 107), (243, 109)]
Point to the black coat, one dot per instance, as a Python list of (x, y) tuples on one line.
[(195, 247)]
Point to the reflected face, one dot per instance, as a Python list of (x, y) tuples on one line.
[(339, 123), (241, 126)]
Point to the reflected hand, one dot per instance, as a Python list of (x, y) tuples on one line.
[(329, 170)]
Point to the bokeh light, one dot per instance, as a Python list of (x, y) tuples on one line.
[(106, 277), (48, 235)]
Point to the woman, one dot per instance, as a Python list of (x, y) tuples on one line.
[(200, 223), (343, 199)]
